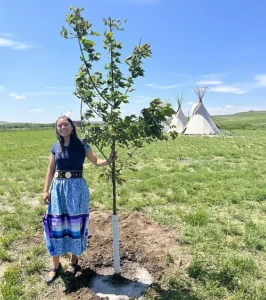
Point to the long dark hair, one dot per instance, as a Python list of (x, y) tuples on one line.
[(75, 145)]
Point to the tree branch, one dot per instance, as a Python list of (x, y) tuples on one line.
[(88, 71), (126, 91), (122, 164), (112, 64), (94, 111), (103, 155)]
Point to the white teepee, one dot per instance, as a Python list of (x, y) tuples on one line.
[(201, 122), (179, 121)]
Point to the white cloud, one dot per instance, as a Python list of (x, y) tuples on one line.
[(17, 96), (191, 103), (209, 82), (216, 85), (162, 87), (228, 89), (229, 106), (2, 88), (260, 80), (36, 110), (8, 43)]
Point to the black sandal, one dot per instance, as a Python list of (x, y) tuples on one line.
[(50, 279), (72, 268)]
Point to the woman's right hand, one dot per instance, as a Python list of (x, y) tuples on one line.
[(46, 197)]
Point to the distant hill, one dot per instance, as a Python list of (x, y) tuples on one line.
[(242, 120), (248, 114)]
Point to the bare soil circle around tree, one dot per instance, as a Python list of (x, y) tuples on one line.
[(144, 249)]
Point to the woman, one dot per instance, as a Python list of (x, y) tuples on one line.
[(67, 196)]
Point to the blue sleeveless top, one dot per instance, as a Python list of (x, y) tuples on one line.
[(66, 160)]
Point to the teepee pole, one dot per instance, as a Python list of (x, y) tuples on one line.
[(200, 91)]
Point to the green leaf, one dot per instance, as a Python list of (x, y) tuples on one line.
[(94, 33), (88, 42)]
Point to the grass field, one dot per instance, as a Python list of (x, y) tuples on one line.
[(213, 189)]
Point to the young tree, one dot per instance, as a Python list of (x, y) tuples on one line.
[(104, 94)]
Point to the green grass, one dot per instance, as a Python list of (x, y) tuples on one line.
[(4, 256), (213, 189), (11, 287)]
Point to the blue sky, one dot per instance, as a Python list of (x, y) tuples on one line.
[(218, 43)]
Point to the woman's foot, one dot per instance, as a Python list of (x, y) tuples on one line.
[(72, 267), (53, 274)]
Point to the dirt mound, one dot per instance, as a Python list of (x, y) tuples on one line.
[(142, 242)]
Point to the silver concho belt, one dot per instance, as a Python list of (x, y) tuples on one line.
[(67, 174)]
